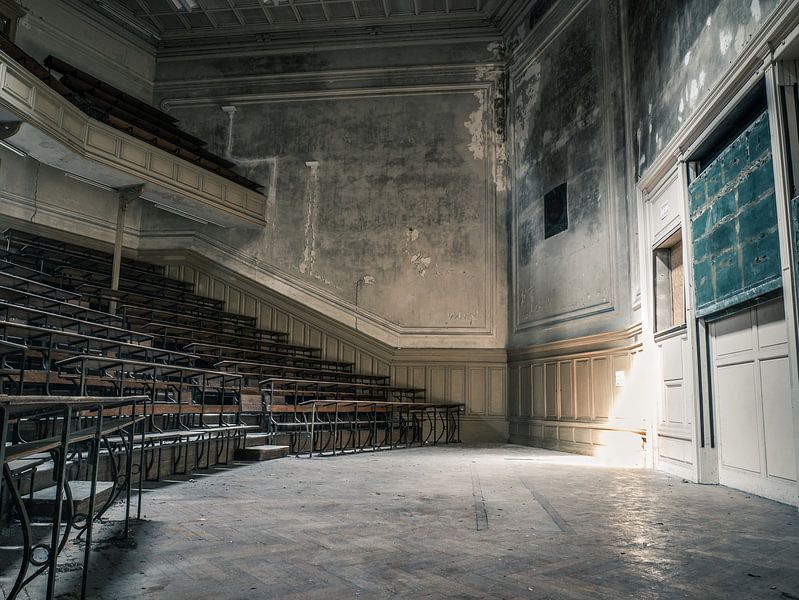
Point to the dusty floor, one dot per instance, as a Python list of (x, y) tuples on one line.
[(456, 522)]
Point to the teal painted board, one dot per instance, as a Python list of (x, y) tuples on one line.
[(733, 210)]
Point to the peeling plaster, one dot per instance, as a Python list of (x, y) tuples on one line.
[(740, 39), (497, 49), (756, 11), (475, 127), (311, 200), (693, 94), (470, 317), (500, 164), (725, 39), (421, 263)]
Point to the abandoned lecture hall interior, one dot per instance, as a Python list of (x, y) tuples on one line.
[(420, 299)]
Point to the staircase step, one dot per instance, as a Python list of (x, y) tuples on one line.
[(257, 439), (261, 453), (42, 503)]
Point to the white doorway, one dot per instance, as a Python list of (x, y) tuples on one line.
[(752, 402)]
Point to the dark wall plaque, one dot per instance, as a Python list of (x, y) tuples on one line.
[(556, 211)]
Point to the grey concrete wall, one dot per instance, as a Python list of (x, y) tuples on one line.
[(37, 197), (689, 46), (384, 176), (567, 120), (83, 38)]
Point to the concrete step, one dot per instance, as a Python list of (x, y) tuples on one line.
[(41, 505), (39, 469), (265, 439), (260, 453), (257, 439)]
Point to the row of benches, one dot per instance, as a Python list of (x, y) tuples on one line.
[(169, 382)]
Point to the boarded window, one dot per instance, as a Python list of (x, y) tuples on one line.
[(669, 284), (734, 224)]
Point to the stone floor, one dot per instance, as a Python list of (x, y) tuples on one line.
[(456, 522)]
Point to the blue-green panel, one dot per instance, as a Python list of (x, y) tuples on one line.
[(734, 224)]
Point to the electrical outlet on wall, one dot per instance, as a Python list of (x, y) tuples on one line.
[(620, 378)]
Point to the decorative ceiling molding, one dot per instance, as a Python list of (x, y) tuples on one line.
[(338, 39), (207, 24)]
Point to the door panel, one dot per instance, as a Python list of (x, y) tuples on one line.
[(733, 334), (738, 418), (752, 402), (778, 418)]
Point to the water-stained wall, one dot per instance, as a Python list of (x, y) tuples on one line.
[(567, 124), (383, 197), (690, 45)]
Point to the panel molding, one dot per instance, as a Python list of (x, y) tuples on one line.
[(558, 20), (477, 377), (563, 395), (488, 333)]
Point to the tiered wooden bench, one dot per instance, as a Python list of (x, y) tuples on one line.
[(70, 422), (180, 382)]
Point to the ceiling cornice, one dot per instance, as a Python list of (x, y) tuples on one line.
[(339, 40), (113, 26), (488, 24)]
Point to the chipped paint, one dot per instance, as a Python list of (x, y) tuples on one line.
[(725, 39), (475, 126), (757, 12), (311, 199), (421, 263)]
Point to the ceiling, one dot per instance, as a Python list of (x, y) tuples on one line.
[(186, 22)]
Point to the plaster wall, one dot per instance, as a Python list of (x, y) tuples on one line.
[(576, 371), (385, 180), (693, 43), (36, 197), (567, 126)]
